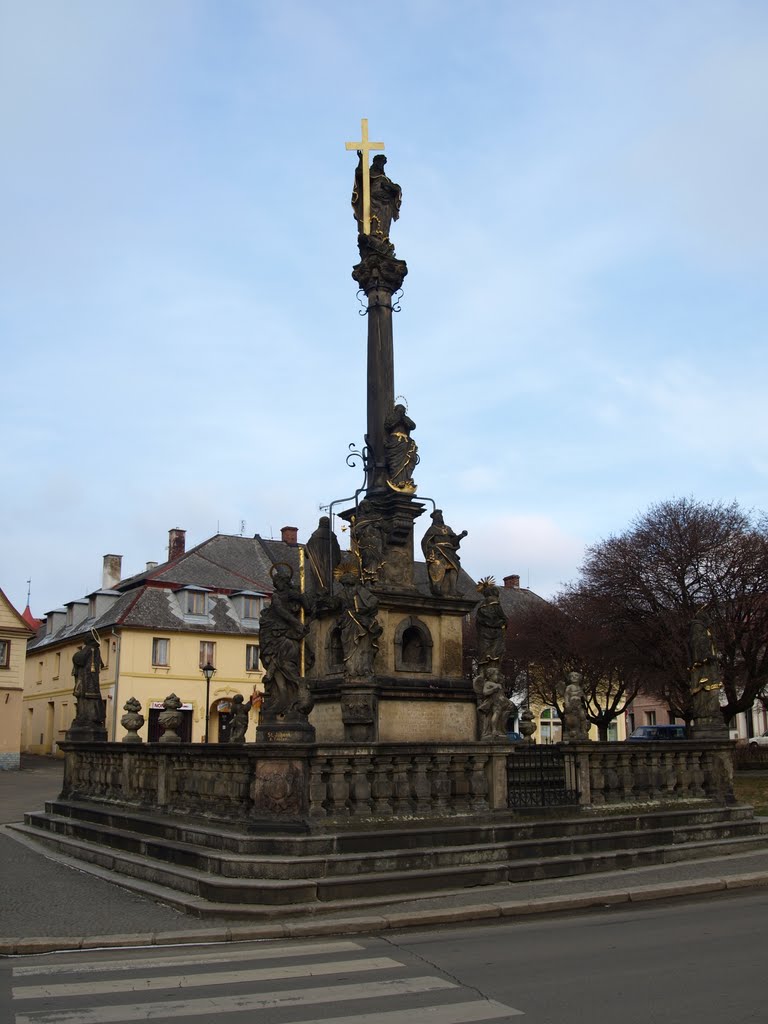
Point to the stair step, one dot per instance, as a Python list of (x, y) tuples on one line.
[(272, 892), (231, 865)]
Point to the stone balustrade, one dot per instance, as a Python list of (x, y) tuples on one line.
[(402, 781), (324, 784), (650, 772)]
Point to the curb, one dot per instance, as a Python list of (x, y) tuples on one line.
[(375, 923)]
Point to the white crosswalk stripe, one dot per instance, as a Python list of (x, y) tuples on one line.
[(221, 955), (256, 986), (198, 980)]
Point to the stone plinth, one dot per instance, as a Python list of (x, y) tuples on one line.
[(418, 693)]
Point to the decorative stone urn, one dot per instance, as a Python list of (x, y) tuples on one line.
[(132, 721), (170, 719), (527, 726)]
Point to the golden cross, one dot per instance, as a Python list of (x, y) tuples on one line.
[(364, 148)]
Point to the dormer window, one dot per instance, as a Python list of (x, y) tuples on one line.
[(195, 602), (248, 604)]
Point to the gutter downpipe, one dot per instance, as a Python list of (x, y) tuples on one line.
[(117, 678)]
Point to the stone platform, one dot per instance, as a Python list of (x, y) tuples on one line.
[(253, 828), (210, 870)]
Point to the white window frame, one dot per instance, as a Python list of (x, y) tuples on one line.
[(249, 667), (157, 641), (207, 658)]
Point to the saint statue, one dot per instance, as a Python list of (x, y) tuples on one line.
[(386, 197), (359, 627), (90, 708), (283, 633), (401, 451), (368, 539), (323, 553), (238, 725), (441, 550), (575, 721), (491, 625), (493, 706)]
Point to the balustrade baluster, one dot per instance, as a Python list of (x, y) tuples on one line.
[(382, 785)]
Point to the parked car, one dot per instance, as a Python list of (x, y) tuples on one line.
[(659, 732), (759, 741)]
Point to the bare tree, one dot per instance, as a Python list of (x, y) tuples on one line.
[(677, 558), (572, 635)]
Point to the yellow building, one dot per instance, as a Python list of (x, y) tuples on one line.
[(14, 633), (157, 630)]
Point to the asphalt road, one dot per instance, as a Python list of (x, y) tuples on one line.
[(674, 963)]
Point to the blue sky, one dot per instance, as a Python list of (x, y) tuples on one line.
[(584, 219)]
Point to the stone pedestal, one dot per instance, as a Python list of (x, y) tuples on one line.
[(418, 692), (277, 730), (86, 733), (397, 514), (88, 725)]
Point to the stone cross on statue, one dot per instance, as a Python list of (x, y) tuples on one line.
[(364, 147)]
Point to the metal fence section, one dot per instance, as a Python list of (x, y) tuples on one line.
[(537, 777)]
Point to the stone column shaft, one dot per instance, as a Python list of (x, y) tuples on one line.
[(381, 382)]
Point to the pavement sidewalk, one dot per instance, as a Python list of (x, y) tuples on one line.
[(49, 902)]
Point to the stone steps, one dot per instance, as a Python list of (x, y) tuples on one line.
[(350, 837), (203, 867), (431, 854)]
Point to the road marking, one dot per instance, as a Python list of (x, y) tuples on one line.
[(94, 988), (456, 1013), (231, 1004), (229, 955)]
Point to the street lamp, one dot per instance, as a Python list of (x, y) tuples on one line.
[(208, 671)]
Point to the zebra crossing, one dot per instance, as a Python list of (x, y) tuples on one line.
[(333, 982)]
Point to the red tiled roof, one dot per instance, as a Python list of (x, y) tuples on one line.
[(30, 619)]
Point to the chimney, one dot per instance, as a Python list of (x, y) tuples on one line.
[(290, 535), (110, 574), (511, 582), (176, 543), (151, 566)]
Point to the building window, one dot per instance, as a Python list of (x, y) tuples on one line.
[(195, 603), (57, 665), (5, 653), (160, 650), (550, 726), (207, 653), (650, 718), (39, 672), (251, 657), (251, 607)]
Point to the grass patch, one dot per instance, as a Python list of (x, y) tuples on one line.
[(749, 789)]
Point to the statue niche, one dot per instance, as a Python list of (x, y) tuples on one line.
[(413, 646)]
